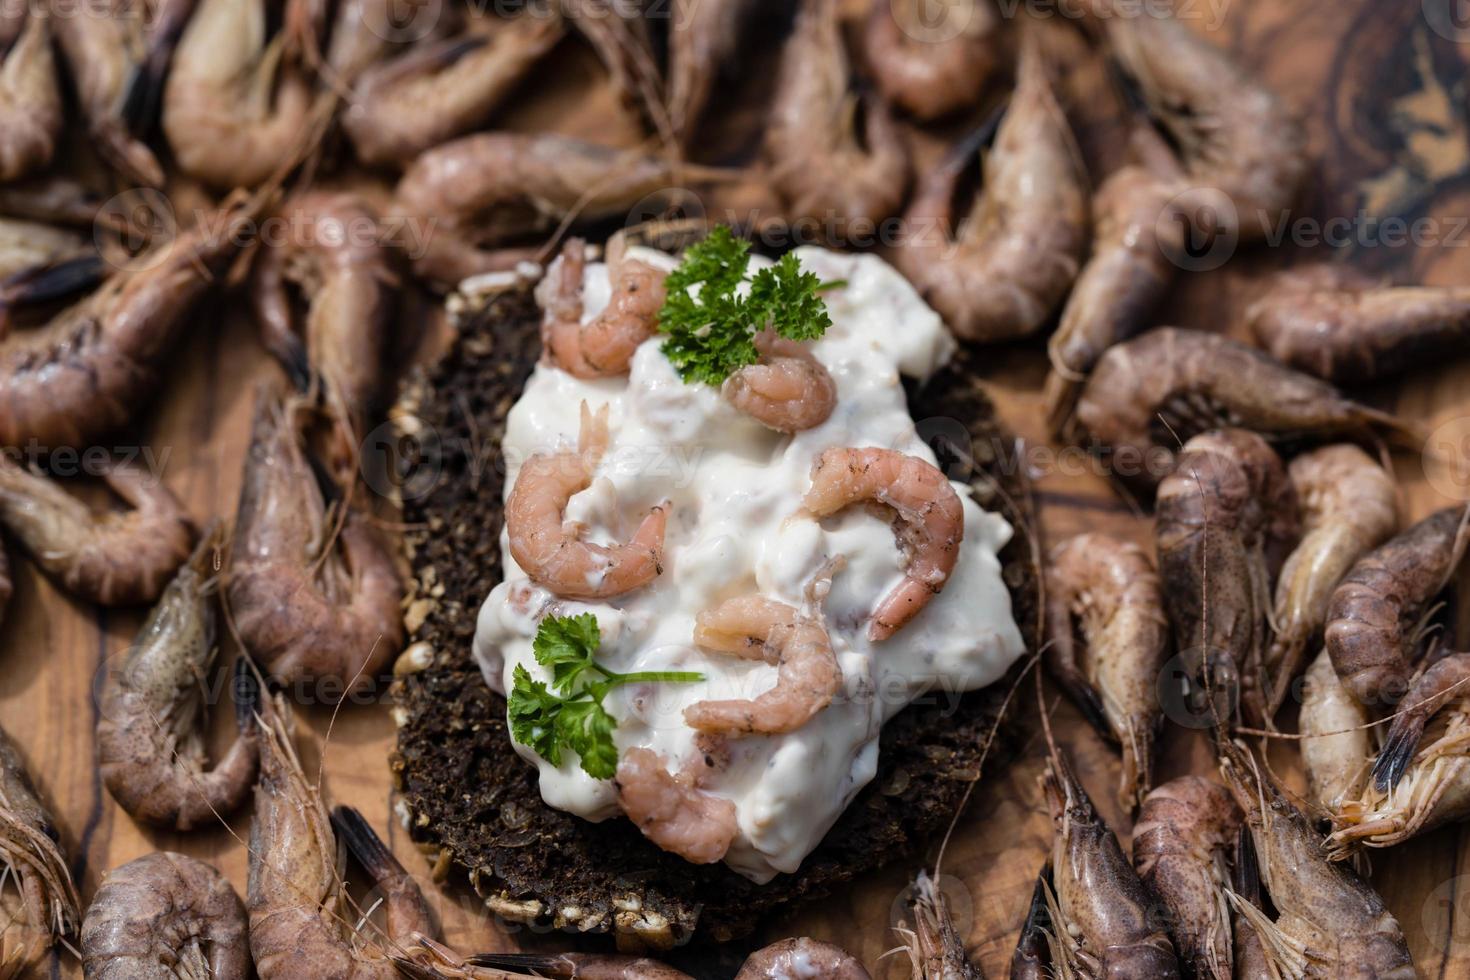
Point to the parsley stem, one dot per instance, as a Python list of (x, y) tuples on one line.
[(668, 676)]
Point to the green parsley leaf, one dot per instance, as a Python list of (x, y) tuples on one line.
[(566, 644), (711, 330), (569, 714)]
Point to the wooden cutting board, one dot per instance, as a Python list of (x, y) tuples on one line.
[(1382, 87)]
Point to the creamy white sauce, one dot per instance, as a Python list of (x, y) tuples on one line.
[(736, 528)]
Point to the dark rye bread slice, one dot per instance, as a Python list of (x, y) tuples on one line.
[(473, 804)]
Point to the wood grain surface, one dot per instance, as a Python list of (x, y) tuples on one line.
[(1384, 96)]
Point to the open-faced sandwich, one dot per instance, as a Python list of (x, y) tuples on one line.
[(696, 609)]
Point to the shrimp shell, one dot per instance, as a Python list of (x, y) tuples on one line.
[(1234, 135), (163, 916), (1107, 914), (298, 907), (1349, 506), (817, 162), (1196, 381), (1374, 615), (308, 605), (113, 559), (237, 109), (38, 902), (788, 390), (930, 521), (444, 88), (1329, 921), (1012, 260), (703, 39), (1343, 325), (1336, 742), (935, 949), (30, 95), (86, 372), (1185, 831), (150, 745), (931, 77), (1126, 276), (1109, 589), (1222, 516)]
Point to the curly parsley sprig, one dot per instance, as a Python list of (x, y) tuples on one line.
[(568, 714), (711, 330)]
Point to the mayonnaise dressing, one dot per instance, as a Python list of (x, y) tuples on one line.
[(736, 528)]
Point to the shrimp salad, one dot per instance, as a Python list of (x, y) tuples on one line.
[(740, 523)]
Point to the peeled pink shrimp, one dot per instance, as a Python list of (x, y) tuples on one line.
[(789, 390), (792, 959), (671, 810), (603, 346), (551, 551), (755, 628), (930, 525), (1011, 261)]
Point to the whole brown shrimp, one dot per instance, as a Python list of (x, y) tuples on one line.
[(673, 810), (551, 552), (1011, 261), (1329, 922), (308, 604), (163, 916), (619, 34), (30, 94), (6, 586), (1375, 616), (38, 902), (703, 39), (1223, 519), (930, 73), (1348, 507), (483, 189), (817, 162), (1182, 841), (150, 734), (1107, 590), (300, 923), (785, 959), (113, 559), (755, 628), (934, 947), (236, 109), (444, 87), (1172, 383), (1107, 916), (1432, 789), (1126, 276), (801, 957), (1447, 679), (339, 260), (787, 390), (1333, 321), (1233, 134), (104, 44), (1337, 745), (87, 371), (930, 521), (604, 345)]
